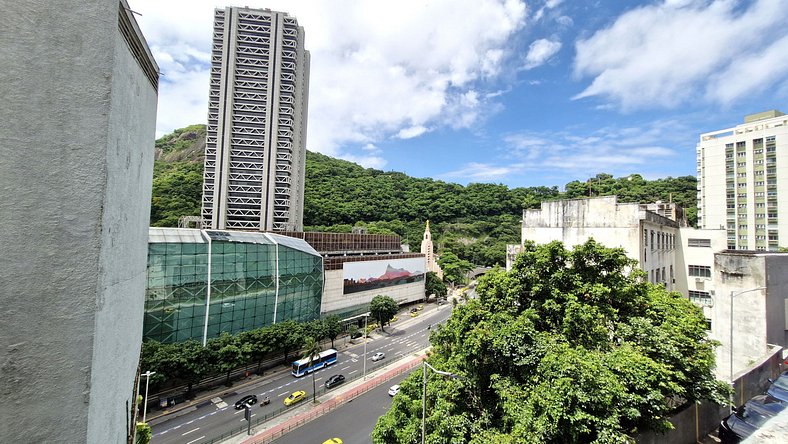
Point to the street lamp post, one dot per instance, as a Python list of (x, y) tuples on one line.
[(424, 395), (366, 316), (147, 376), (730, 348)]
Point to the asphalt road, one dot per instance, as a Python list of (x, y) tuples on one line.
[(215, 419), (352, 423)]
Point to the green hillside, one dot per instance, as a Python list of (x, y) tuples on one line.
[(475, 221)]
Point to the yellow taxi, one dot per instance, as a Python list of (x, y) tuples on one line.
[(333, 441), (295, 397)]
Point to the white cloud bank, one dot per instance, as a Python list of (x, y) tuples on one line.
[(540, 52), (379, 69), (683, 50)]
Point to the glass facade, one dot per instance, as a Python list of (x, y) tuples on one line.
[(256, 279)]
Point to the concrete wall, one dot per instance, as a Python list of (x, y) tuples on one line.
[(77, 142), (777, 299), (698, 256), (334, 299)]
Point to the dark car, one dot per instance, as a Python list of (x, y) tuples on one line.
[(748, 418), (246, 400), (779, 387), (335, 381)]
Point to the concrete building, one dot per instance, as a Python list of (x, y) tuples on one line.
[(79, 88), (646, 236), (756, 284), (743, 182), (255, 150)]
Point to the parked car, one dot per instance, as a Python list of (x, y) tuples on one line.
[(394, 390), (295, 397), (246, 400), (334, 381), (378, 356), (414, 310), (748, 418), (779, 387)]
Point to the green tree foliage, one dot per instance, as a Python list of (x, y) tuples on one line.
[(475, 222), (311, 350), (570, 346), (332, 326), (383, 308), (434, 285), (144, 433), (454, 268), (230, 353)]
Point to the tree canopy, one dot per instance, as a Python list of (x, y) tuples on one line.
[(570, 346), (475, 222), (383, 308)]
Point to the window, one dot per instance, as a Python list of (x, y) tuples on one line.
[(740, 144), (699, 242), (760, 205), (759, 215), (743, 237), (742, 227), (759, 194), (652, 239), (741, 164), (741, 154), (742, 195), (759, 184), (700, 297), (743, 185), (741, 174), (743, 205), (700, 271), (645, 238)]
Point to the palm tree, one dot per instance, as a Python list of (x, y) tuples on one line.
[(311, 351)]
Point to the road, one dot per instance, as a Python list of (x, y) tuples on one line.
[(218, 417), (353, 422)]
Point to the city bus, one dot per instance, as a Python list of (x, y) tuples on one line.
[(326, 358)]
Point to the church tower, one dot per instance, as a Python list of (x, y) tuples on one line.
[(429, 256)]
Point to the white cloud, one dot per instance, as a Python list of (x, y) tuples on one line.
[(480, 172), (365, 161), (540, 52), (411, 132), (683, 50), (377, 68)]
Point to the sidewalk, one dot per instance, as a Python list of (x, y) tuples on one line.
[(205, 396), (281, 425)]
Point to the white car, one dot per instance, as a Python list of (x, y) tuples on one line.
[(378, 356), (393, 390)]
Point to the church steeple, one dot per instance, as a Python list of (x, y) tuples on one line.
[(429, 256)]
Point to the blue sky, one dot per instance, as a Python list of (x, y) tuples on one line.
[(505, 91)]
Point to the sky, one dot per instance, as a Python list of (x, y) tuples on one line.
[(523, 93)]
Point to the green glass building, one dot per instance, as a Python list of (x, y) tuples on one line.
[(256, 279)]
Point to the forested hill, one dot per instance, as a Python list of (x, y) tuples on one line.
[(475, 221)]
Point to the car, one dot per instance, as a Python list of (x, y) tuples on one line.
[(748, 418), (295, 397), (414, 310), (333, 441), (394, 390), (378, 356), (249, 400), (414, 314), (779, 387), (420, 307), (334, 381)]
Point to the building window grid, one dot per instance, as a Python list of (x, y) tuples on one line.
[(700, 271)]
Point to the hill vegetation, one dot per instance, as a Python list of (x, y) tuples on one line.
[(475, 221)]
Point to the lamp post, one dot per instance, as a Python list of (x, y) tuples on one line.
[(730, 348), (424, 395), (147, 376), (366, 316)]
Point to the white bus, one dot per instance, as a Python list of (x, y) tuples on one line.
[(324, 359)]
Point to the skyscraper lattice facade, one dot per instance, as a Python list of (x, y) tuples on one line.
[(257, 114)]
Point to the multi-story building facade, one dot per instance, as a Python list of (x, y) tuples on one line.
[(257, 114), (743, 182), (79, 89)]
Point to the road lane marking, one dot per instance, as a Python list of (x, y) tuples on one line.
[(190, 422), (195, 440), (281, 394), (194, 430), (318, 379), (354, 371)]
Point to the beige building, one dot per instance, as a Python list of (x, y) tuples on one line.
[(743, 182), (255, 146), (427, 250), (646, 236)]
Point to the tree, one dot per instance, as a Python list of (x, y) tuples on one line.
[(434, 285), (383, 308), (312, 351), (144, 433), (570, 346), (453, 267), (333, 327), (230, 354)]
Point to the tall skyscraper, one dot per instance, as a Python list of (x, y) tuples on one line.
[(743, 182), (256, 140)]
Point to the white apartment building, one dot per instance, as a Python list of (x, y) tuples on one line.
[(743, 182), (255, 146), (646, 236)]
